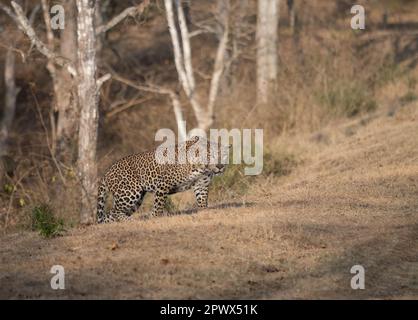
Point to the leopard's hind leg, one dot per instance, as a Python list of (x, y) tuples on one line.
[(125, 205), (101, 201)]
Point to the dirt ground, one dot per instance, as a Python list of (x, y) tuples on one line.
[(354, 202)]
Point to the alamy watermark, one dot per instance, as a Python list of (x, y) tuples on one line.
[(246, 148), (358, 22), (57, 17), (58, 280), (358, 281)]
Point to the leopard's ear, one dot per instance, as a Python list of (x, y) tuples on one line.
[(191, 141), (195, 138)]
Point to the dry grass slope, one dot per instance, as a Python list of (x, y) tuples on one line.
[(354, 201)]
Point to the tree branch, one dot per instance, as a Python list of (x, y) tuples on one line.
[(33, 14), (128, 12), (10, 13), (125, 106), (102, 79), (25, 26), (175, 100), (50, 38), (47, 19), (149, 88)]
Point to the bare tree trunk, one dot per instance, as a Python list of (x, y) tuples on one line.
[(65, 129), (183, 61), (292, 13), (239, 37), (239, 25), (385, 18), (11, 92), (67, 123), (267, 25), (98, 21), (223, 29), (221, 54), (88, 101)]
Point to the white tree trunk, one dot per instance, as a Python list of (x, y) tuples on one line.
[(267, 25), (221, 54), (183, 61), (240, 38), (88, 101), (178, 113), (11, 92)]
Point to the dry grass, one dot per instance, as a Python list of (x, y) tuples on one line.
[(352, 202)]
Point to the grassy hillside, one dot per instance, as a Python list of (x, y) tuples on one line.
[(352, 202)]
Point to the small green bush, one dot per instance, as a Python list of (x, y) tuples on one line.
[(348, 99), (409, 97), (170, 206), (279, 163), (386, 73), (44, 221), (412, 83), (8, 188), (276, 163), (232, 180)]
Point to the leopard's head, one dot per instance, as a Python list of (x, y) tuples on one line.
[(210, 156)]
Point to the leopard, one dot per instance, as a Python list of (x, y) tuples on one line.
[(129, 179)]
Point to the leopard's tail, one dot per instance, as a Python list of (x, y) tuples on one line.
[(101, 200)]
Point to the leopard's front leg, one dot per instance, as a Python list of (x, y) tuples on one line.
[(201, 191), (160, 199), (201, 194)]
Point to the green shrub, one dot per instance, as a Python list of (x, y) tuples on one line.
[(8, 188), (408, 98), (279, 163), (348, 98), (232, 180), (44, 221), (412, 83), (170, 206), (386, 73)]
